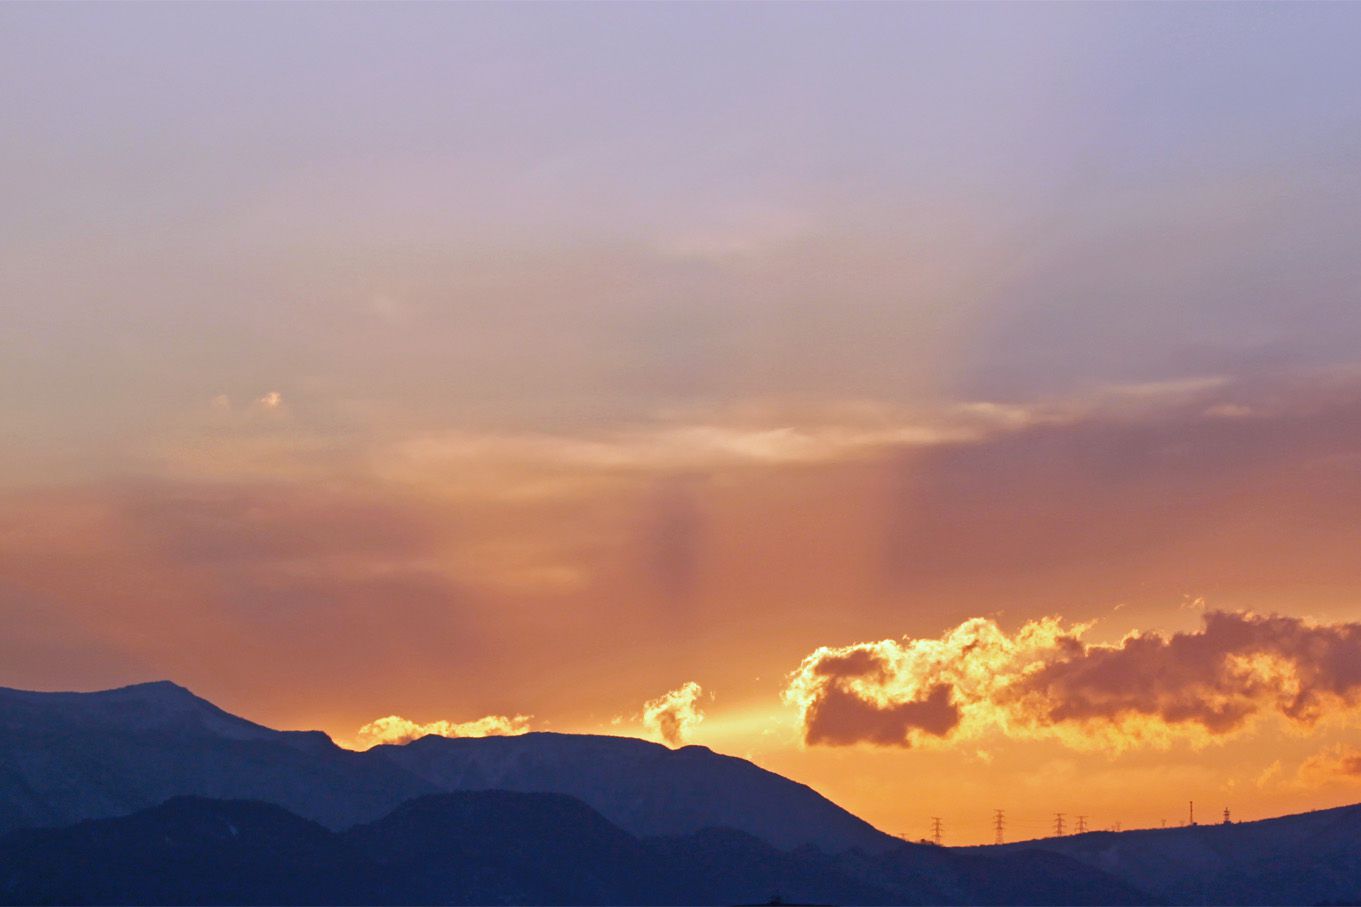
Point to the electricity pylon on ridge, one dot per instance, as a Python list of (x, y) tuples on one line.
[(999, 822), (1058, 825), (1081, 824), (936, 830)]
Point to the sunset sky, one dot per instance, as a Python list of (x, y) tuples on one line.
[(951, 407)]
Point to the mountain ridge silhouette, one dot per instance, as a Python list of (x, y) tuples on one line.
[(69, 756), (487, 847)]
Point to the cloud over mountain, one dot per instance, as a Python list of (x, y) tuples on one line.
[(1045, 681), (674, 714), (396, 729)]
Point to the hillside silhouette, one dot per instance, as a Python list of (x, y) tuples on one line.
[(490, 847), (1309, 858)]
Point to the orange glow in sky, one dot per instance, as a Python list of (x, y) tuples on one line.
[(952, 412)]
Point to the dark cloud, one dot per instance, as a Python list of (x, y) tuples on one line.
[(1233, 669), (841, 717)]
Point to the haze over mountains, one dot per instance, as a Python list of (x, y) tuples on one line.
[(149, 794)]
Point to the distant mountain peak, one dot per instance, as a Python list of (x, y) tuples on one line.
[(156, 703), (151, 690), (154, 689)]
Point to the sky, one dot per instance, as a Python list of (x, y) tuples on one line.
[(951, 407)]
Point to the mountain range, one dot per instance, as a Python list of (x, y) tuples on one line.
[(492, 847), (65, 757), (149, 794)]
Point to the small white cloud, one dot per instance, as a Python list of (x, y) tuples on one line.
[(396, 729)]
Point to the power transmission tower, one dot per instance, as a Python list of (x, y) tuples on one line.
[(1191, 816), (1081, 824), (1058, 825), (999, 822), (1227, 821), (935, 829)]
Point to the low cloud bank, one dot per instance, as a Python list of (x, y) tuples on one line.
[(396, 729), (1045, 681)]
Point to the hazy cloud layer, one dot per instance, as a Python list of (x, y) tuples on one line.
[(1339, 762), (271, 565), (1045, 681), (396, 729), (675, 713)]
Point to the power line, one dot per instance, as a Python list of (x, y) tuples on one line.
[(1058, 825), (999, 822), (935, 829)]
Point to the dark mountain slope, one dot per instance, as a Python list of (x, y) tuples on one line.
[(725, 866), (186, 851), (643, 787), (65, 757), (923, 874), (1311, 858), (490, 847)]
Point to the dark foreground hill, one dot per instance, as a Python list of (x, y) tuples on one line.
[(491, 847), (1310, 858), (65, 757)]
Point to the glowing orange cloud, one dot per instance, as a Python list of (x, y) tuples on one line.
[(1044, 681), (674, 714), (396, 729)]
